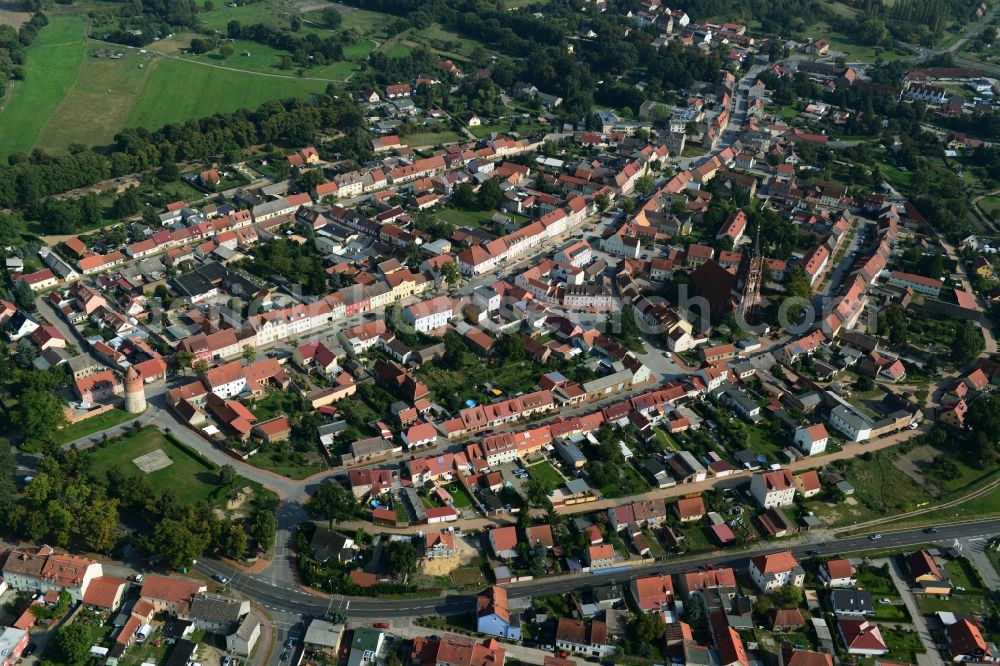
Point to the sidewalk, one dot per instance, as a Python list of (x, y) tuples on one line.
[(932, 657), (406, 629)]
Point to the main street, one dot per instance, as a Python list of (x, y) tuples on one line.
[(293, 600)]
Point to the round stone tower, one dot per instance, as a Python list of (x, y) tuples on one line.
[(135, 392)]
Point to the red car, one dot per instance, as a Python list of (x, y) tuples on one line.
[(381, 625)]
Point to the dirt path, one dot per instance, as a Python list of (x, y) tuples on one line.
[(231, 69)]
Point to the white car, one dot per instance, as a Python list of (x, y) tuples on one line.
[(884, 601)]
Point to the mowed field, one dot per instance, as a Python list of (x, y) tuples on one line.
[(54, 61), (70, 96), (178, 90)]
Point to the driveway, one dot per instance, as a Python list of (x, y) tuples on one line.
[(932, 657), (975, 549)]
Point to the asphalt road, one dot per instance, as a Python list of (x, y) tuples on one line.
[(290, 599)]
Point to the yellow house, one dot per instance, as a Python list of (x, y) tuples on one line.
[(982, 268)]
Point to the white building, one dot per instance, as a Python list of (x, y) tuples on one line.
[(773, 489), (770, 572), (430, 315), (855, 426), (811, 440)]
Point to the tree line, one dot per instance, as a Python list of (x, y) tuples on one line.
[(307, 49), (69, 505), (29, 178), (13, 43)]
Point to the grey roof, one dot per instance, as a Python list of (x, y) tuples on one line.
[(81, 362), (324, 634), (247, 626), (217, 609), (570, 452)]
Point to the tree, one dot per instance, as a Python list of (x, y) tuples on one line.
[(71, 643), (227, 475), (454, 351), (536, 491), (649, 628), (603, 201), (97, 524), (864, 383), (208, 5), (249, 353), (8, 489), (489, 196), (967, 344), (126, 204), (200, 366), (175, 541), (510, 348), (24, 357), (183, 359), (331, 502), (403, 558), (644, 184), (331, 18), (23, 296), (39, 413), (226, 50), (449, 272), (263, 528), (169, 172)]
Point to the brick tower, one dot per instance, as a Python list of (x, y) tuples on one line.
[(135, 392)]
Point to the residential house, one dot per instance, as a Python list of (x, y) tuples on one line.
[(493, 615), (773, 489), (769, 572)]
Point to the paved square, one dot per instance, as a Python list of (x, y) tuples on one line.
[(153, 461)]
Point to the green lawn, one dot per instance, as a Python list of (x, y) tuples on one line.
[(422, 139), (266, 59), (468, 576), (276, 458), (991, 205), (894, 612), (108, 419), (963, 575), (903, 645), (95, 108), (192, 476), (196, 91), (877, 582), (546, 473), (53, 63), (958, 604), (459, 496)]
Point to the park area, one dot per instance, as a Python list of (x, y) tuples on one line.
[(166, 465)]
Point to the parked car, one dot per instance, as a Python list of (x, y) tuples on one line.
[(285, 655), (381, 625)]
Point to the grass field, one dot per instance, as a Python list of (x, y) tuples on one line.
[(196, 91), (96, 106), (108, 419), (468, 576), (53, 63), (70, 96), (431, 138), (192, 477), (546, 473)]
